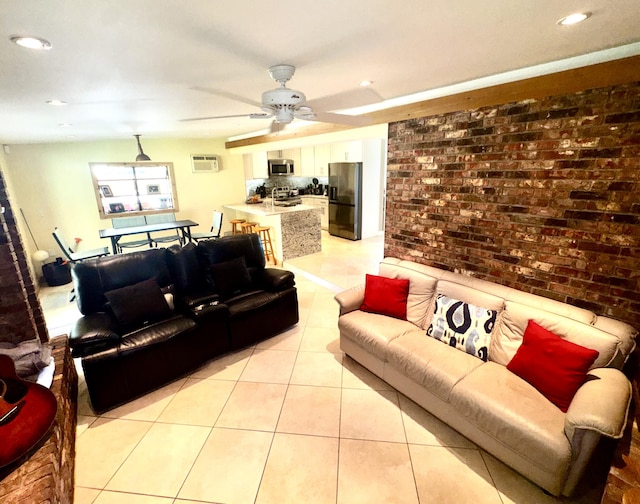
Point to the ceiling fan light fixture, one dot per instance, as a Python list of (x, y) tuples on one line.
[(141, 155), (284, 116), (572, 19)]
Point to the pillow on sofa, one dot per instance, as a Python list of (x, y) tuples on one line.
[(463, 326), (231, 277), (138, 303), (554, 366), (386, 296)]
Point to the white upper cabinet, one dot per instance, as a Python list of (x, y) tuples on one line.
[(346, 152), (322, 158), (307, 161), (255, 165), (314, 160)]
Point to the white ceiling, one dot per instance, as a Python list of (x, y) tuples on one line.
[(130, 66)]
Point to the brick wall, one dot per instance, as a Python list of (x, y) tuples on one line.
[(21, 316), (540, 195)]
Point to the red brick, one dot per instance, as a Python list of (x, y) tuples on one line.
[(546, 178)]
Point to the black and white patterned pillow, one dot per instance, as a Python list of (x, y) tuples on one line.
[(462, 326)]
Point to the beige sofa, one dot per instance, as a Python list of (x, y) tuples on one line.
[(485, 401)]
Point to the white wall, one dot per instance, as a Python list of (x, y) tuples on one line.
[(52, 184)]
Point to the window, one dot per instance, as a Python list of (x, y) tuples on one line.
[(134, 188)]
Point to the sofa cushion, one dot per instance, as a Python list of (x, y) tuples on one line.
[(429, 363), (138, 303), (153, 334), (422, 287), (231, 277), (555, 367), (462, 326), (386, 296), (514, 320), (251, 300), (372, 331), (516, 415)]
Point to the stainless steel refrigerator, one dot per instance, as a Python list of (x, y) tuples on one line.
[(345, 200)]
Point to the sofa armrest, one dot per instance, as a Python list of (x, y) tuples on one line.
[(193, 300), (601, 404), (93, 333), (351, 299), (275, 280), (205, 310)]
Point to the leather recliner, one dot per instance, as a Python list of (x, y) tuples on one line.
[(122, 361), (264, 308)]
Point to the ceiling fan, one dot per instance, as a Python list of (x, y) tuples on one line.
[(285, 104)]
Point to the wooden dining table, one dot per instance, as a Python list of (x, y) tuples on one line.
[(183, 226)]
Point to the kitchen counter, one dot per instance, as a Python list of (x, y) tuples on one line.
[(265, 208), (295, 231)]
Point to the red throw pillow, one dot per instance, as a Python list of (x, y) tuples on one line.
[(554, 366), (386, 296)]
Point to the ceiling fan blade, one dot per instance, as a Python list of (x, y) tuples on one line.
[(339, 119), (226, 94), (214, 117), (346, 100)]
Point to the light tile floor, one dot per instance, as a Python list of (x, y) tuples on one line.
[(289, 420)]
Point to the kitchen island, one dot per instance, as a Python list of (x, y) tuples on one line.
[(295, 230)]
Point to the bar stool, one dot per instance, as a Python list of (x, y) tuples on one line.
[(235, 225), (247, 227), (265, 237)]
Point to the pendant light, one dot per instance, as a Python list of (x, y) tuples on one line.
[(141, 155)]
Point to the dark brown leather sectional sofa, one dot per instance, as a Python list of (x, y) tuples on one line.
[(132, 341)]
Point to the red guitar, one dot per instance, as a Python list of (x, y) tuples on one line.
[(27, 411)]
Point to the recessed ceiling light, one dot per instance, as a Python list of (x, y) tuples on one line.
[(64, 125), (56, 103), (366, 83), (574, 18), (31, 42)]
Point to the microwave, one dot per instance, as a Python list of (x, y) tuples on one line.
[(280, 167)]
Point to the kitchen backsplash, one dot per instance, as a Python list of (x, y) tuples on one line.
[(290, 182)]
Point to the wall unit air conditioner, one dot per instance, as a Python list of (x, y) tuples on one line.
[(204, 163)]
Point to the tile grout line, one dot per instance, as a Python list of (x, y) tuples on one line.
[(406, 439), (275, 428), (339, 430)]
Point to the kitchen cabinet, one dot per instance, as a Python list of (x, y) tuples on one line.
[(307, 161), (315, 160), (346, 151), (255, 165), (321, 202), (322, 158)]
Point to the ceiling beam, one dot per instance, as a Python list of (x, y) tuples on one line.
[(610, 73)]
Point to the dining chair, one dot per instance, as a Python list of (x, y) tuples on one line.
[(162, 218), (74, 257), (214, 232), (123, 222)]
